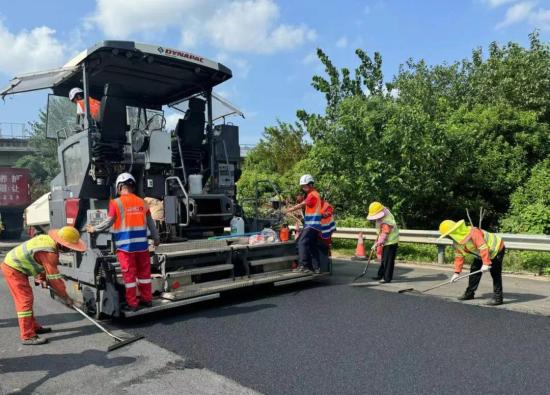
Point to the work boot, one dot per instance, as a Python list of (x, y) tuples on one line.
[(34, 341), (133, 308), (495, 301), (42, 330), (466, 296), (146, 304), (377, 278)]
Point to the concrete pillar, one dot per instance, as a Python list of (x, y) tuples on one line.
[(441, 254)]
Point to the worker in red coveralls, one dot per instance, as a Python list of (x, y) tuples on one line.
[(129, 217), (38, 258)]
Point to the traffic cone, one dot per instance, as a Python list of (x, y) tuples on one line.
[(360, 249)]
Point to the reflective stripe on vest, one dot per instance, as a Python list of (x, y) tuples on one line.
[(130, 227), (492, 242), (312, 217), (388, 219), (328, 226), (21, 258)]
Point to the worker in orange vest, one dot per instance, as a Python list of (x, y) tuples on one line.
[(129, 218), (76, 95), (308, 249), (38, 258)]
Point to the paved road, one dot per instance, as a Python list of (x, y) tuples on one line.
[(319, 339), (333, 339), (76, 362)]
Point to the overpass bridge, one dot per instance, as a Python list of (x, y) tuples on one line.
[(14, 142)]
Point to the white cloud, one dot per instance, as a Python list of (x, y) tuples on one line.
[(541, 18), (238, 25), (525, 12), (497, 3), (516, 14), (249, 26), (172, 120), (30, 50), (342, 42)]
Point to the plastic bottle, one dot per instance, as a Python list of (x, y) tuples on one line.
[(237, 226), (284, 233)]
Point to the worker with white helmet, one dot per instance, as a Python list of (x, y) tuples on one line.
[(308, 248), (129, 217), (76, 95)]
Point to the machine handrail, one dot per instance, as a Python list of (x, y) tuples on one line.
[(187, 219)]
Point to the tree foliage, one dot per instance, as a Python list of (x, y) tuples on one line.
[(43, 163), (433, 141)]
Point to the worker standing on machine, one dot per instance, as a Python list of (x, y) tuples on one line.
[(76, 95), (308, 249), (129, 217), (38, 258), (488, 251), (386, 242)]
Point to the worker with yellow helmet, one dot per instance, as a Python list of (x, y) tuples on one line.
[(488, 250), (38, 258), (386, 242)]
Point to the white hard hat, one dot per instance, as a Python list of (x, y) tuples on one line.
[(124, 178), (306, 179), (73, 92)]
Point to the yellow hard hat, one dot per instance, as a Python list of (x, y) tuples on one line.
[(376, 211), (69, 237), (448, 226)]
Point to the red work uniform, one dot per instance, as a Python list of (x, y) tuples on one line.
[(21, 291), (129, 213)]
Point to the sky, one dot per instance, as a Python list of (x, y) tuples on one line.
[(268, 44)]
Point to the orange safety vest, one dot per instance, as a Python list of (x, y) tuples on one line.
[(95, 106), (312, 217), (327, 221), (130, 226)]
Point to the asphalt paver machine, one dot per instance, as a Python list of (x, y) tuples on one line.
[(190, 172)]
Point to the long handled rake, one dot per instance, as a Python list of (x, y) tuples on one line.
[(438, 285)]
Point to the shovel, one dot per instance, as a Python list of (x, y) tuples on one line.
[(366, 267), (119, 342), (438, 285)]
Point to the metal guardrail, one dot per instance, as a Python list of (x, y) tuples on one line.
[(522, 242), (10, 130)]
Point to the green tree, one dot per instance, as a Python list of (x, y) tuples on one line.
[(43, 163), (530, 204)]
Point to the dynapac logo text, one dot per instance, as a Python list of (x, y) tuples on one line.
[(184, 55)]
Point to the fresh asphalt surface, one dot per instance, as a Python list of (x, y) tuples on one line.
[(330, 338)]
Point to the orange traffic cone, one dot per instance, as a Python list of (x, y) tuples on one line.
[(360, 249)]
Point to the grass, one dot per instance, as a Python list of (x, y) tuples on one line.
[(514, 261)]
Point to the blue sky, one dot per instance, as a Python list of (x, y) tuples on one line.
[(270, 45)]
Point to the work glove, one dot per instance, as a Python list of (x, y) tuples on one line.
[(156, 242), (455, 277), (485, 268)]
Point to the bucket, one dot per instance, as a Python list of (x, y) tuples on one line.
[(195, 184)]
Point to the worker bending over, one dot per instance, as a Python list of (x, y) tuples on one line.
[(38, 258), (129, 217), (488, 250), (308, 249), (386, 242)]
